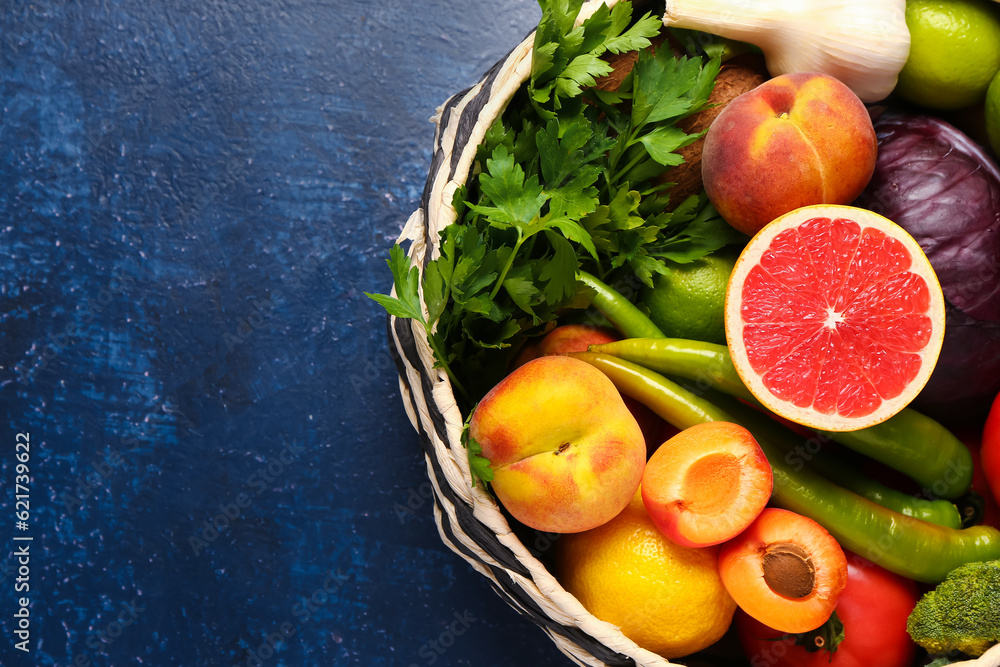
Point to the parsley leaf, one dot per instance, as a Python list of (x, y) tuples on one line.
[(567, 179), (479, 464), (667, 87), (662, 143), (567, 59), (569, 154), (559, 273), (698, 231), (406, 280), (515, 201)]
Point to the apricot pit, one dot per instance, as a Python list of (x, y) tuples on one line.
[(788, 570)]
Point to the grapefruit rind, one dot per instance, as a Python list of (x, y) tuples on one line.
[(808, 415)]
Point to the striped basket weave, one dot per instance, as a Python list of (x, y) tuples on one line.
[(468, 518)]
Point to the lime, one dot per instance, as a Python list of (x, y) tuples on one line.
[(954, 52), (689, 300), (993, 114)]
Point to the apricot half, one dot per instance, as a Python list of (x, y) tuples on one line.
[(785, 570), (706, 484)]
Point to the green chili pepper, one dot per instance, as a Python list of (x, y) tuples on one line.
[(664, 397), (622, 313), (913, 548), (909, 441), (799, 451), (919, 447), (708, 365)]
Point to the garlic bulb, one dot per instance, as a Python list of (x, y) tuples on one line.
[(864, 43)]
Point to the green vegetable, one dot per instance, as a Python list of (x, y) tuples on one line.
[(624, 315), (918, 446), (909, 441), (669, 400), (915, 549), (814, 451), (708, 365), (912, 548), (566, 58), (563, 182), (962, 613), (406, 303), (479, 465)]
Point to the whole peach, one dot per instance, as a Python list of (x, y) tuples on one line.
[(567, 338), (795, 140), (566, 453)]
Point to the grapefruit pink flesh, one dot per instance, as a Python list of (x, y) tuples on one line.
[(838, 317)]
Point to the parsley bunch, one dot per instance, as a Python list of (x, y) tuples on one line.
[(563, 181)]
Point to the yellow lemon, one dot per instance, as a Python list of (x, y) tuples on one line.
[(666, 598), (954, 52)]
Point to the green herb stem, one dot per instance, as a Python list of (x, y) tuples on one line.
[(439, 355), (510, 262), (626, 139), (639, 157)]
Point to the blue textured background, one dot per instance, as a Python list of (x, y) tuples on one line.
[(193, 197)]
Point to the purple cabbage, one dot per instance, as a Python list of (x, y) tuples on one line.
[(944, 189)]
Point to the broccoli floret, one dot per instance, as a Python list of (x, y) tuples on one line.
[(962, 613)]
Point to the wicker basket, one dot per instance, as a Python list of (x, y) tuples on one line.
[(468, 518)]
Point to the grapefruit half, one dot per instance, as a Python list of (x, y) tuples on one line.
[(834, 317)]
